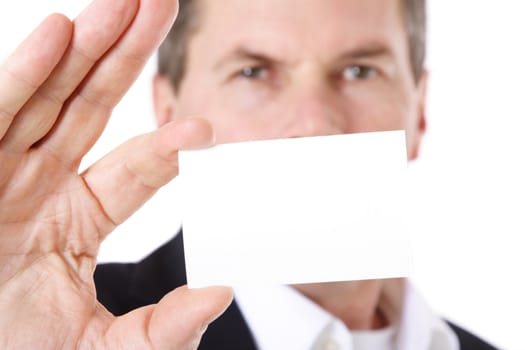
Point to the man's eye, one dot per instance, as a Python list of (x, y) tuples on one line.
[(254, 72), (352, 73)]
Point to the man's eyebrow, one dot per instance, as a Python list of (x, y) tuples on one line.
[(243, 53), (368, 51), (373, 50)]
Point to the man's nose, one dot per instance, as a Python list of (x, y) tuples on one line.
[(315, 110)]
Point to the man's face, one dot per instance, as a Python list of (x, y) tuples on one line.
[(266, 69)]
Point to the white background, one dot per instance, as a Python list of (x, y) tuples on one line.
[(468, 189)]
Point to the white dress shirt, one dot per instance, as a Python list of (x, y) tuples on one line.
[(282, 318)]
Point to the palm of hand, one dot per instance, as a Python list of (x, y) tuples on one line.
[(47, 265)]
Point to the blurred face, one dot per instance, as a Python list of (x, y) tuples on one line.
[(266, 69)]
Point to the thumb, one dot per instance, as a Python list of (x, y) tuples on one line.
[(182, 317), (178, 321)]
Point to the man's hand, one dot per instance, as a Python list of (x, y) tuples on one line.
[(57, 92)]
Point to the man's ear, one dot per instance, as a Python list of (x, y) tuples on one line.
[(421, 121), (163, 99)]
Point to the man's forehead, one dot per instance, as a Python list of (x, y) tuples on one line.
[(298, 25), (296, 12)]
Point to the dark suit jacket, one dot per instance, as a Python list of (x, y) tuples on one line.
[(124, 287)]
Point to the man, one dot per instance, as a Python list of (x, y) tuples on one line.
[(297, 68), (254, 70)]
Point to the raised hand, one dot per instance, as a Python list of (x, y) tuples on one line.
[(57, 92)]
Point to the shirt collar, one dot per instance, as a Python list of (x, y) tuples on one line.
[(420, 328), (282, 318)]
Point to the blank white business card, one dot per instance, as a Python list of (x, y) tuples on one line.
[(302, 210)]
